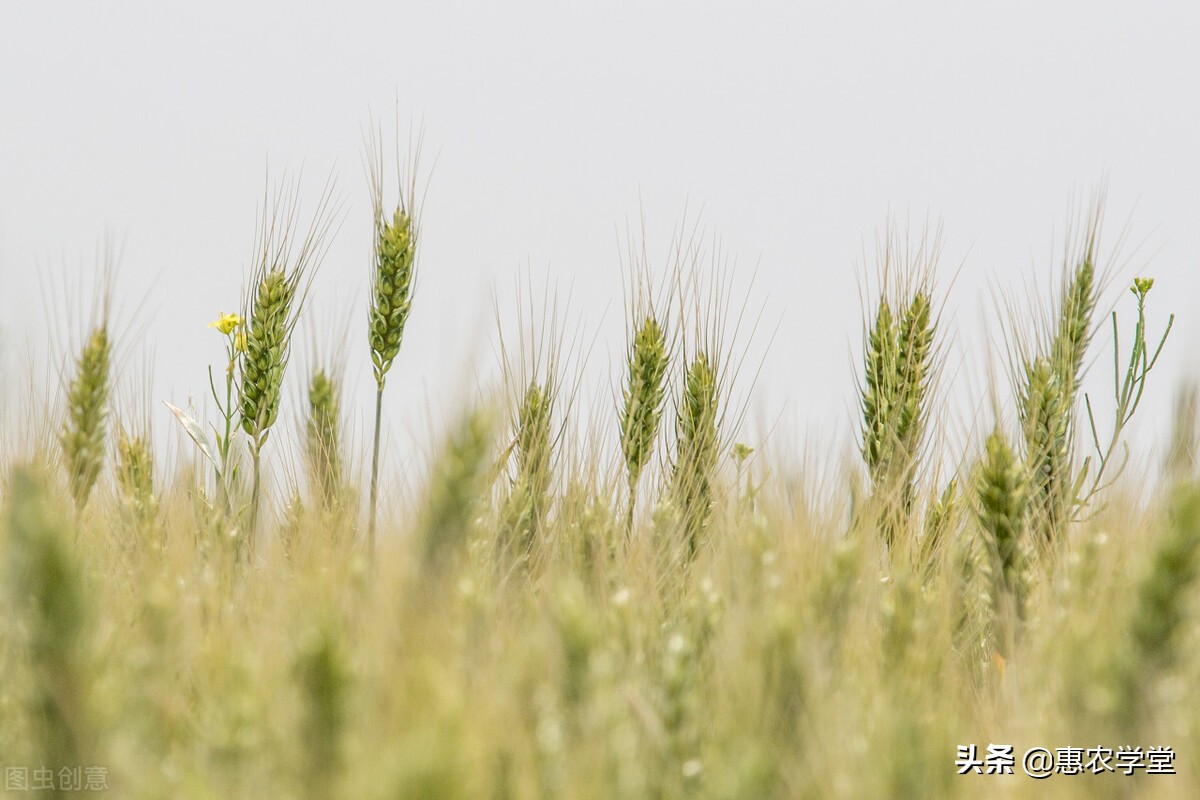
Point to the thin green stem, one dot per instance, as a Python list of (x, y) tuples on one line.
[(633, 487), (375, 470), (223, 473), (254, 504)]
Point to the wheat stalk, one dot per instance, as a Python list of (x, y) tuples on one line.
[(1048, 389), (392, 282), (277, 295), (898, 368), (645, 392)]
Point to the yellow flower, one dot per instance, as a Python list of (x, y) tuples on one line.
[(226, 323), (239, 342)]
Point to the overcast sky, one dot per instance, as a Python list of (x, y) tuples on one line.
[(790, 130)]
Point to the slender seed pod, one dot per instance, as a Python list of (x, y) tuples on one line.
[(84, 430)]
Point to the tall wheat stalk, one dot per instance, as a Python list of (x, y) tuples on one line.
[(392, 281), (277, 295), (1047, 395), (898, 367), (644, 394)]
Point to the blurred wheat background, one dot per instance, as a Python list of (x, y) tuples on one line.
[(597, 403)]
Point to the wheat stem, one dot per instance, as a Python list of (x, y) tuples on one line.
[(375, 470)]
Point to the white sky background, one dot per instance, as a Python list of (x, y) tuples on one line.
[(797, 128)]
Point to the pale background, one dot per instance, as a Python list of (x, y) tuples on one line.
[(792, 130)]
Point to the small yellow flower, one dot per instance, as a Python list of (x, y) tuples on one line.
[(239, 342), (226, 323)]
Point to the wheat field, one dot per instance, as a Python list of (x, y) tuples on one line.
[(639, 601)]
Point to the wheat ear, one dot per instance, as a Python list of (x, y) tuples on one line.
[(323, 439), (641, 413), (697, 444), (395, 256), (84, 430), (135, 479), (1001, 493)]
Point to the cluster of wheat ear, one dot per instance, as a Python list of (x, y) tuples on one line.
[(559, 612), (898, 367)]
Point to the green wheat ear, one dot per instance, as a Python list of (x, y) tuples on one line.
[(323, 440), (878, 393), (940, 523), (643, 400), (135, 479), (912, 381), (84, 430), (1047, 395), (1046, 424), (898, 366), (458, 480), (528, 500), (395, 251), (1074, 332), (1001, 494), (391, 299), (697, 448), (271, 320)]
